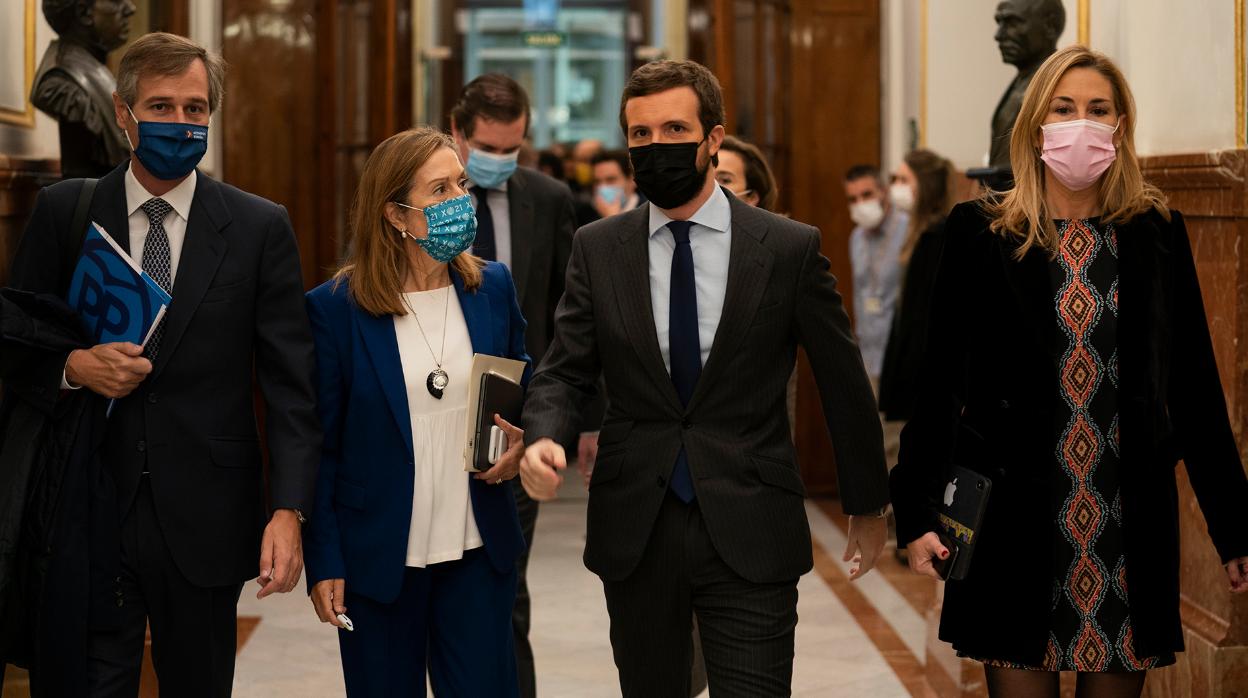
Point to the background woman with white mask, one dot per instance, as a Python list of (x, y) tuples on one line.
[(1074, 405), (416, 552)]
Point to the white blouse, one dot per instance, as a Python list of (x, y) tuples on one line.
[(442, 526)]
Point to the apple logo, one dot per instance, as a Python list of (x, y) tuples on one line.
[(949, 490)]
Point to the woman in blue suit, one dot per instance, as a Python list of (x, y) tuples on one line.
[(418, 553)]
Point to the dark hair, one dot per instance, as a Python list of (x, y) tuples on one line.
[(857, 172), (619, 157), (661, 76), (493, 97), (758, 175)]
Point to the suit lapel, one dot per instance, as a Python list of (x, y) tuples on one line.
[(383, 348), (749, 268), (202, 252), (108, 207), (523, 241), (632, 291), (476, 308)]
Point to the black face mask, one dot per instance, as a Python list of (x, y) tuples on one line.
[(668, 173)]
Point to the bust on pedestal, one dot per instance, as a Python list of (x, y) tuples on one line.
[(74, 86), (1027, 34)]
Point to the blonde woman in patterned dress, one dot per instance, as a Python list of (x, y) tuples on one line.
[(1076, 407)]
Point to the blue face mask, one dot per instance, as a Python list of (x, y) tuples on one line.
[(490, 171), (452, 228), (169, 150), (611, 194)]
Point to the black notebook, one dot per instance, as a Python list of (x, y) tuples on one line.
[(497, 396), (960, 514)]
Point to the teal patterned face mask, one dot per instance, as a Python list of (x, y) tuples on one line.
[(452, 228)]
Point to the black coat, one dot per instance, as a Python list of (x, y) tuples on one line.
[(987, 401), (907, 340), (58, 510), (735, 429), (237, 312)]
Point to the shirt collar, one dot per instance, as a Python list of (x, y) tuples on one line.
[(180, 197), (715, 214)]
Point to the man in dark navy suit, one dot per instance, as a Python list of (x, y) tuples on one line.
[(181, 444)]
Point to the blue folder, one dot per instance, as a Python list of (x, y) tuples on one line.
[(115, 299)]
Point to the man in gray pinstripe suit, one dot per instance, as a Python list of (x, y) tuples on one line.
[(691, 310)]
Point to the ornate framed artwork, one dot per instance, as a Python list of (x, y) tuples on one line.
[(17, 55)]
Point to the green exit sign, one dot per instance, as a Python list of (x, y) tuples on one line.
[(547, 39)]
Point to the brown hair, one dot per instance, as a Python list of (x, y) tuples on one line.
[(493, 97), (933, 199), (377, 261), (661, 76), (1122, 192), (165, 54), (758, 175)]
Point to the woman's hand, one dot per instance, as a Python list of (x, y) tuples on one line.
[(329, 599), (508, 466), (1237, 572), (921, 552)]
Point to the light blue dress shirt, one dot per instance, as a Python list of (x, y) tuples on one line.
[(877, 280), (710, 238)]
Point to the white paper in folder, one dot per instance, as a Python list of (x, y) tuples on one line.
[(482, 364)]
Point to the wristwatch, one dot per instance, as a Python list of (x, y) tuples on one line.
[(299, 515)]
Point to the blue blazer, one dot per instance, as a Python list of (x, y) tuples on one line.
[(359, 526)]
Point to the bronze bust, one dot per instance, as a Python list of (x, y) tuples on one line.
[(74, 86), (1027, 34)]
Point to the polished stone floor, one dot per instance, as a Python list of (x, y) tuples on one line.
[(291, 654)]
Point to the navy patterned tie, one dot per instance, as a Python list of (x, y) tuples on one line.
[(483, 246), (157, 261), (685, 348)]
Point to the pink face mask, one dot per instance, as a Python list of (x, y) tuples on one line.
[(1078, 152)]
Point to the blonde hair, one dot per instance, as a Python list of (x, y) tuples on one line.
[(377, 262), (1122, 192)]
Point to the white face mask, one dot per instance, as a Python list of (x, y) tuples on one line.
[(868, 214), (902, 196)]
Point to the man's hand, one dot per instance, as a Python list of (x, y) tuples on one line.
[(921, 551), (867, 535), (329, 598), (587, 454), (112, 370), (540, 471), (281, 554)]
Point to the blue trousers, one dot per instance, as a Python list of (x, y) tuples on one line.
[(453, 617)]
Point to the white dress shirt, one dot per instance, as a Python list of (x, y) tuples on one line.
[(710, 238), (179, 198), (500, 212)]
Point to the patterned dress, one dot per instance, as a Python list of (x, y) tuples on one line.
[(1090, 628)]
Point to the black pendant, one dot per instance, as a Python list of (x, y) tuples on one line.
[(436, 382)]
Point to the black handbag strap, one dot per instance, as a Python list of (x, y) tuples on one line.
[(78, 225)]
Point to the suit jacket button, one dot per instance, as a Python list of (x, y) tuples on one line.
[(142, 446), (121, 602), (1005, 404), (152, 399), (686, 424)]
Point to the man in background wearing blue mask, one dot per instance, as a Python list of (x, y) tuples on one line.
[(524, 220), (181, 448), (614, 188)]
